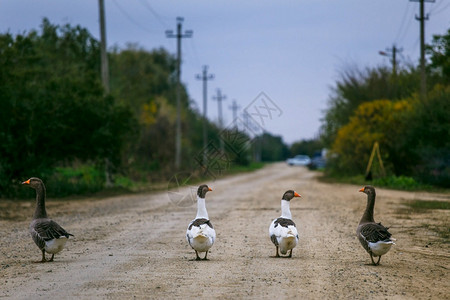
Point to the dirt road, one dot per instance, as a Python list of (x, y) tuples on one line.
[(134, 246)]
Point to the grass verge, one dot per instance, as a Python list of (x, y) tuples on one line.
[(391, 182)]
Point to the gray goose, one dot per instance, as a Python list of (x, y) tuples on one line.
[(200, 233), (46, 233), (374, 237)]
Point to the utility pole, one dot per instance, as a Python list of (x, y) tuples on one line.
[(205, 77), (105, 76), (103, 54), (234, 107), (422, 18), (392, 52), (178, 36), (219, 98)]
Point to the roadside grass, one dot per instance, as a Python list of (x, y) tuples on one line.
[(442, 231), (403, 183), (82, 180), (424, 204), (410, 208), (417, 207)]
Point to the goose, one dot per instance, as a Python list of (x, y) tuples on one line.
[(46, 233), (282, 231), (200, 233), (374, 237)]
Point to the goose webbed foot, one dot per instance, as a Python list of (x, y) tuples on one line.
[(290, 253), (373, 262), (277, 255), (43, 260), (51, 259), (206, 256), (197, 257)]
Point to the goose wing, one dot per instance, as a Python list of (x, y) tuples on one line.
[(48, 229), (375, 232), (201, 221)]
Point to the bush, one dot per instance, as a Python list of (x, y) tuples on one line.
[(398, 182), (75, 181)]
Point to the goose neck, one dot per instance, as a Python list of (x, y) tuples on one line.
[(40, 211), (368, 213), (201, 208), (285, 209)]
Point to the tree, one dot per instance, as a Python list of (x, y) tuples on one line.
[(439, 52), (377, 121), (428, 135), (270, 147), (52, 107), (308, 147), (356, 87)]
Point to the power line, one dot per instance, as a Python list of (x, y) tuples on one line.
[(194, 51), (440, 11), (403, 22), (131, 19), (435, 7), (179, 35), (154, 13)]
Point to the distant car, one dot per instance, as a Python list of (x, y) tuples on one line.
[(317, 162), (299, 160)]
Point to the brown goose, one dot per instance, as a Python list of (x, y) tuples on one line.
[(46, 233), (374, 237)]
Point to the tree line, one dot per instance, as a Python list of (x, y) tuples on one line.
[(377, 105), (55, 116)]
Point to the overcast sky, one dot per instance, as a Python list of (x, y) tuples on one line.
[(290, 50)]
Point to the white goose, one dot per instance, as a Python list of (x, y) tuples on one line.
[(200, 233), (282, 231), (374, 237)]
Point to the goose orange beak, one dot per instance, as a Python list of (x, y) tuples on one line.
[(296, 195), (209, 189), (361, 190), (26, 182)]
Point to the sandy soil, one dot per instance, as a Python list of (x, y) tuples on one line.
[(134, 246)]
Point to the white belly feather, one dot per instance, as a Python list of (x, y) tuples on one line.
[(201, 238), (380, 248), (56, 245), (287, 237)]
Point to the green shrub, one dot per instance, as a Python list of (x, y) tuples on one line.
[(398, 182), (67, 181)]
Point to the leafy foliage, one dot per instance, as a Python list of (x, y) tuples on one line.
[(439, 52), (413, 134), (308, 147), (378, 121), (356, 87), (428, 135), (52, 107), (268, 147)]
